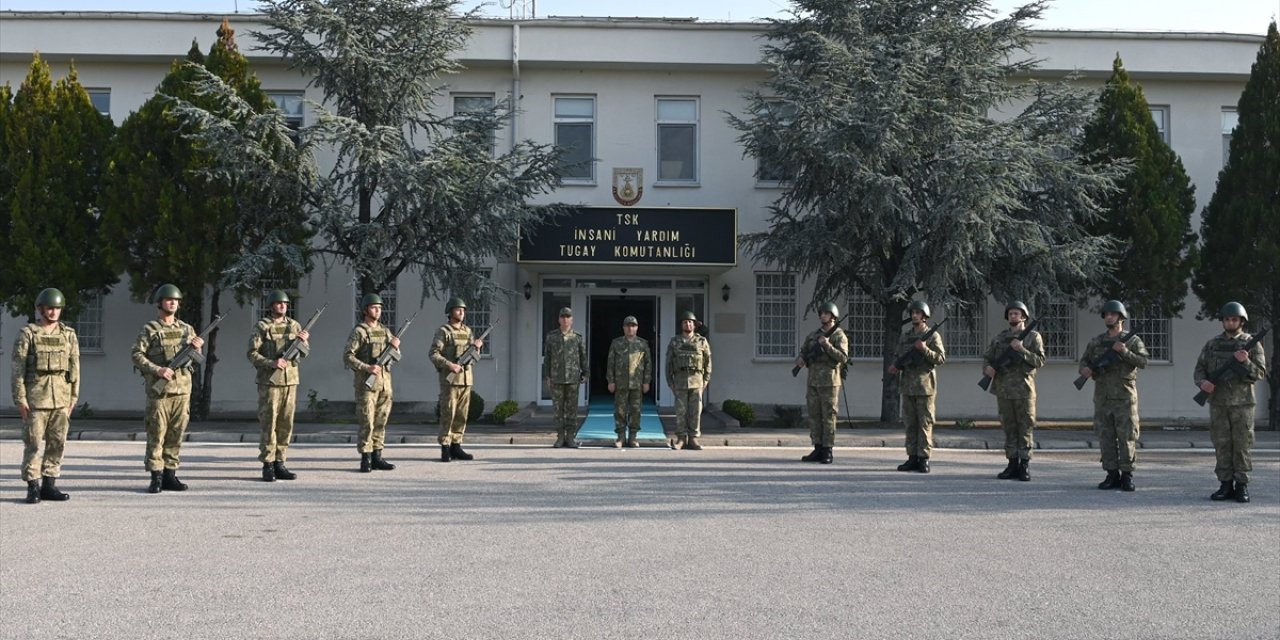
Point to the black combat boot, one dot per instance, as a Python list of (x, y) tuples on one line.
[(1225, 491), (365, 465), (33, 491), (813, 456), (910, 464), (376, 461), (1242, 492), (1024, 474), (1009, 471), (49, 490), (156, 484), (1112, 481), (446, 453), (827, 457), (281, 472), (456, 451), (268, 473), (1126, 481), (691, 443), (922, 465), (171, 482)]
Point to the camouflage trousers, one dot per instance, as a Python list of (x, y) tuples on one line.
[(455, 404), (276, 407), (564, 401), (167, 418), (917, 416), (1018, 419), (1116, 423), (689, 412), (373, 409), (1231, 428), (46, 427), (626, 410), (823, 404)]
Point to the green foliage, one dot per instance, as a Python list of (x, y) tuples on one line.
[(476, 409), (965, 423), (1150, 214), (740, 410), (319, 407), (52, 155), (504, 410), (788, 417)]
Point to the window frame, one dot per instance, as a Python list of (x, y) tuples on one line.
[(864, 326), (459, 114), (775, 288), (1162, 126), (100, 91), (90, 331), (1060, 344), (785, 177), (590, 122), (297, 121), (661, 123), (973, 344)]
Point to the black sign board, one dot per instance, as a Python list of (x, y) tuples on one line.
[(635, 235)]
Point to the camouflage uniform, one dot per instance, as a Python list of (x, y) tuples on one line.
[(1115, 400), (277, 392), (1015, 391), (46, 378), (688, 371), (918, 385), (168, 411), (564, 363), (447, 346), (630, 367), (1231, 404), (822, 387), (373, 406)]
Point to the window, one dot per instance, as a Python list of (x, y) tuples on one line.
[(575, 122), (290, 104), (261, 307), (388, 305), (464, 104), (865, 326), (88, 323), (1154, 327), (1229, 121), (965, 332), (1058, 328), (775, 315), (1160, 115), (101, 99), (677, 140), (770, 172)]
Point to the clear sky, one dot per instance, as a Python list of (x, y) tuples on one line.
[(1232, 16)]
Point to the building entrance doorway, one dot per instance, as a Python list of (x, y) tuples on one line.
[(605, 324)]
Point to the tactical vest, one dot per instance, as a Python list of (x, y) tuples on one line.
[(50, 352), (374, 340)]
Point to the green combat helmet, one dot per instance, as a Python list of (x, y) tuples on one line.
[(51, 298), (1115, 306), (831, 308), (277, 296), (1233, 309), (687, 315), (370, 298), (923, 307), (1020, 306), (454, 303), (167, 292)]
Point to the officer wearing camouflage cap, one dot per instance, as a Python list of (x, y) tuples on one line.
[(46, 384), (1115, 395), (564, 369), (1231, 401), (629, 372)]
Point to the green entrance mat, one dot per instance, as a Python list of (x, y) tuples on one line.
[(599, 422)]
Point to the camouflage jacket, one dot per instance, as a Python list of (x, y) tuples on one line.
[(156, 346), (1018, 380), (1220, 350), (824, 368), (46, 367), (267, 342), (364, 345), (688, 362), (630, 363), (918, 377), (564, 357), (447, 346), (1118, 381)]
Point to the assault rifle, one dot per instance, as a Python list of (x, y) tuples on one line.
[(1007, 357), (913, 354), (1232, 369), (470, 356), (389, 356), (816, 350), (1100, 363), (297, 347), (186, 356)]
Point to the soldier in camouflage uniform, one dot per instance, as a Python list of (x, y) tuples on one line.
[(451, 341), (169, 410), (46, 383), (1015, 389), (1231, 401), (628, 372), (824, 352), (564, 368), (368, 339), (918, 386), (1115, 395), (277, 384), (688, 372)]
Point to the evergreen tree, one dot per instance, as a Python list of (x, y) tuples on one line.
[(1150, 214), (54, 154), (901, 180), (1240, 227)]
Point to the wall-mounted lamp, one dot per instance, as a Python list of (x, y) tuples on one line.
[(724, 292), (528, 291)]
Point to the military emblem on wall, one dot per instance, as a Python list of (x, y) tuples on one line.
[(628, 185)]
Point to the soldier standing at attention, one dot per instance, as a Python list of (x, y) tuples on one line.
[(918, 386), (1015, 388), (367, 341), (824, 352), (277, 384), (629, 371), (564, 368), (688, 367), (1231, 401), (451, 341), (168, 411), (46, 383), (1115, 396)]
